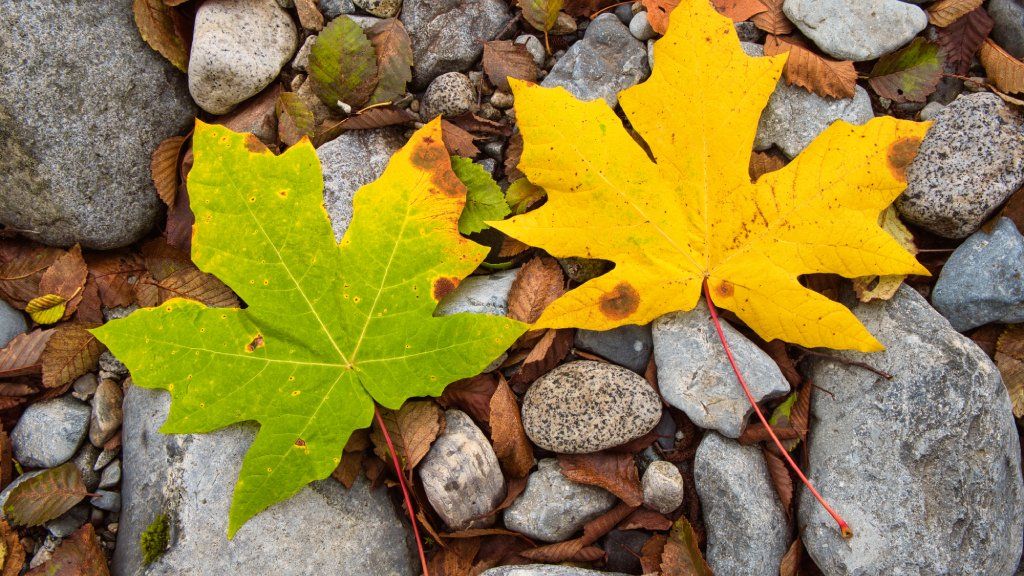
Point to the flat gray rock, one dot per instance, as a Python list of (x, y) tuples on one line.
[(49, 433), (628, 346), (983, 280), (794, 117), (487, 294), (544, 570), (324, 529), (83, 104), (662, 487), (970, 162), (12, 323), (449, 35), (747, 528), (586, 406), (553, 508), (606, 61), (856, 29), (694, 374), (461, 475), (349, 162), (238, 48), (1008, 31), (925, 467)]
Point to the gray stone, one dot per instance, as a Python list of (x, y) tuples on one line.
[(350, 161), (461, 475), (564, 24), (106, 500), (324, 529), (238, 48), (106, 413), (662, 487), (502, 100), (628, 346), (111, 476), (931, 111), (83, 104), (794, 117), (84, 386), (66, 524), (586, 406), (450, 94), (640, 27), (623, 548), (534, 46), (449, 35), (747, 528), (301, 60), (553, 508), (6, 492), (380, 8), (749, 32), (624, 12), (111, 367), (105, 457), (49, 433), (606, 61), (544, 570), (856, 29), (12, 323), (480, 295), (983, 280), (925, 467), (1008, 30), (85, 460), (970, 162), (331, 9), (694, 374)]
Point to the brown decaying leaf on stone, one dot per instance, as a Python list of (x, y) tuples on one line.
[(70, 352), (657, 13), (539, 283), (413, 428), (508, 436), (545, 355), (66, 278), (22, 354), (645, 519), (472, 396), (681, 555), (20, 277), (459, 142), (945, 12), (163, 168), (762, 163), (114, 273), (739, 10), (161, 26), (615, 472), (190, 283), (1010, 360), (45, 496), (78, 555), (1005, 71), (394, 59), (504, 59), (587, 8), (781, 479), (773, 20), (14, 556), (651, 553), (580, 549), (790, 564), (962, 39), (368, 119), (294, 119), (812, 71)]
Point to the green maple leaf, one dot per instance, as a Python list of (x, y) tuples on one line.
[(328, 328)]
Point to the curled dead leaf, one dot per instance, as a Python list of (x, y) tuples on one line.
[(615, 472), (70, 352), (22, 354), (812, 71), (945, 12), (413, 428), (163, 168), (45, 496), (1009, 358), (504, 59), (1005, 71), (508, 436)]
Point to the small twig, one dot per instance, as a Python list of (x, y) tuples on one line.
[(844, 528), (405, 491), (854, 363)]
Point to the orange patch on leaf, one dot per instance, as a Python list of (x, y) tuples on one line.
[(901, 153), (257, 342), (443, 286), (622, 301)]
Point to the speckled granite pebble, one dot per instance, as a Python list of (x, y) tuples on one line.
[(586, 406), (971, 160), (380, 8), (448, 95), (238, 48), (553, 508)]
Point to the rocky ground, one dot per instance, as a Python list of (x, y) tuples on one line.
[(918, 446)]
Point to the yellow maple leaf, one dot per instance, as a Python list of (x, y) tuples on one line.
[(692, 215)]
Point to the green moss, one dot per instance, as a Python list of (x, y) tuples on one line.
[(154, 539)]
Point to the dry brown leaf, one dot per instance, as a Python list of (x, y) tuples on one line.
[(962, 39), (180, 220), (162, 28), (458, 141), (481, 127), (587, 8), (657, 13), (413, 428), (645, 519), (45, 496), (790, 564), (190, 283), (309, 15), (945, 12), (1010, 360), (773, 20), (511, 247), (549, 351), (19, 278), (14, 554), (615, 472), (472, 396), (812, 71), (256, 115), (162, 259), (681, 556), (513, 153), (78, 555), (348, 469), (739, 10), (539, 283), (1013, 209), (762, 163), (294, 119), (456, 558), (114, 274), (394, 59), (22, 354), (781, 480), (368, 119), (70, 352), (163, 168), (1005, 71), (651, 553), (508, 436), (504, 59), (6, 461), (66, 278)]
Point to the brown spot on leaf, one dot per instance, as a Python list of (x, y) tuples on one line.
[(901, 153), (300, 442), (724, 289), (257, 342), (253, 144), (427, 155), (620, 302), (442, 286), (447, 183)]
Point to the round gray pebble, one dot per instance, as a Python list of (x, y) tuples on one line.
[(49, 433)]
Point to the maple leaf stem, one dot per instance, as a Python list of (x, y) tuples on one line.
[(405, 490), (844, 528)]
